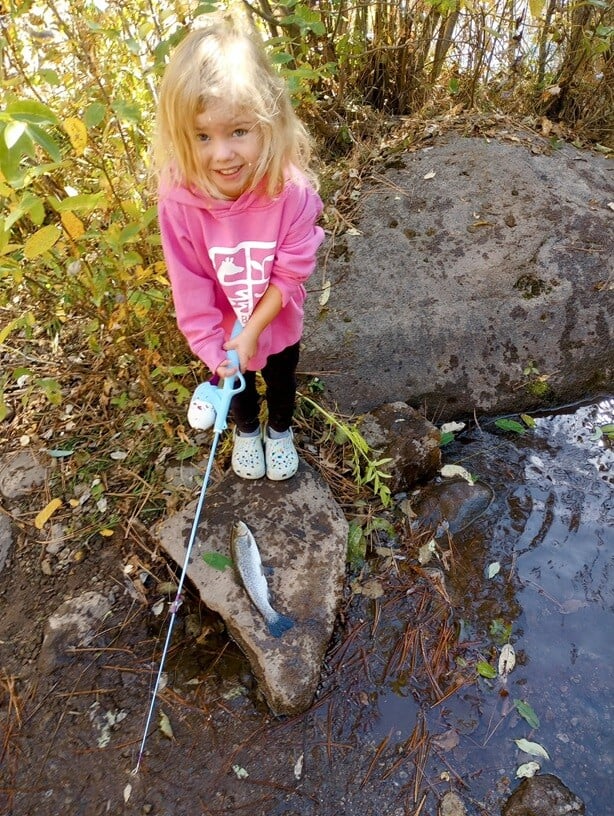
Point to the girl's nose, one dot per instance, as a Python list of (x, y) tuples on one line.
[(222, 149)]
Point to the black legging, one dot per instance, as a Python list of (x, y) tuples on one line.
[(279, 374)]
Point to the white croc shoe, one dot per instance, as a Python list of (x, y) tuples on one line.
[(248, 457), (281, 457)]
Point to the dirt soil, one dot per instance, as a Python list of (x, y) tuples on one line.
[(71, 735)]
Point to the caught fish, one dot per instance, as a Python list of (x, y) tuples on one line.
[(246, 557)]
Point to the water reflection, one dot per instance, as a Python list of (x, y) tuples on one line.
[(550, 529)]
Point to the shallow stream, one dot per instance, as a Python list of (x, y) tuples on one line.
[(550, 533)]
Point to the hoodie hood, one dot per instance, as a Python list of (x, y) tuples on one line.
[(190, 197)]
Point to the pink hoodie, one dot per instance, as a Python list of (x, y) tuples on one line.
[(222, 255)]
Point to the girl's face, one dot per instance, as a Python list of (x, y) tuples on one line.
[(229, 144)]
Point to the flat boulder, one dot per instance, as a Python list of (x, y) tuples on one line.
[(477, 277), (301, 534)]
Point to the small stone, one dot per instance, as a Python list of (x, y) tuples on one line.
[(46, 567), (452, 805), (20, 473), (73, 624), (398, 432), (543, 795), (53, 548)]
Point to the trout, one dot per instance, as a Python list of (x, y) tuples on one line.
[(246, 558)]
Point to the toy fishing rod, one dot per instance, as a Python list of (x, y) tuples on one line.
[(216, 402)]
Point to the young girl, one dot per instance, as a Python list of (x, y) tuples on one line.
[(237, 211)]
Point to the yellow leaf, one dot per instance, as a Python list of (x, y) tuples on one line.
[(73, 225), (165, 725), (107, 533), (45, 514), (41, 241), (77, 133), (536, 7)]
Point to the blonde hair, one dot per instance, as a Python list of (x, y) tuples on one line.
[(225, 60)]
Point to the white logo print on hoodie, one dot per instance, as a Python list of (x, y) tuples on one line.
[(244, 272)]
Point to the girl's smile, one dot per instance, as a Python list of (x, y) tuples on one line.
[(229, 145)]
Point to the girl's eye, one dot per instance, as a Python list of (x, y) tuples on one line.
[(202, 137), (240, 132)]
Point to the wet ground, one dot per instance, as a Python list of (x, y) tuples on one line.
[(402, 715)]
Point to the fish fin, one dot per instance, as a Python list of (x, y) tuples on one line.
[(280, 625)]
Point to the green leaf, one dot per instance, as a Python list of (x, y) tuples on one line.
[(527, 713), (127, 111), (357, 544), (217, 560), (51, 388), (500, 631), (510, 425), (528, 420), (85, 202), (31, 111), (484, 669), (44, 140), (94, 114), (187, 452), (445, 438), (13, 133)]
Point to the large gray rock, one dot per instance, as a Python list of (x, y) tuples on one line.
[(302, 535), (459, 282)]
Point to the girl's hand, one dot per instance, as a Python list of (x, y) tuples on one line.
[(226, 369), (245, 344)]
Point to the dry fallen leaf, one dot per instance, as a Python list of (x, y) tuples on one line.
[(325, 294), (456, 470), (494, 569), (507, 659), (532, 748), (448, 740), (165, 726), (372, 589), (452, 427), (45, 514), (527, 770), (427, 551)]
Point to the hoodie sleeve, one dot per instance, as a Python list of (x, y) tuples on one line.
[(295, 258), (199, 314)]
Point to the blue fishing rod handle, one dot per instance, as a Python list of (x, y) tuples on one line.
[(229, 382), (230, 386)]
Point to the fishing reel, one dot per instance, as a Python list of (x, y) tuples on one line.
[(211, 400)]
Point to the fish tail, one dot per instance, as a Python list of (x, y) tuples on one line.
[(279, 625)]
